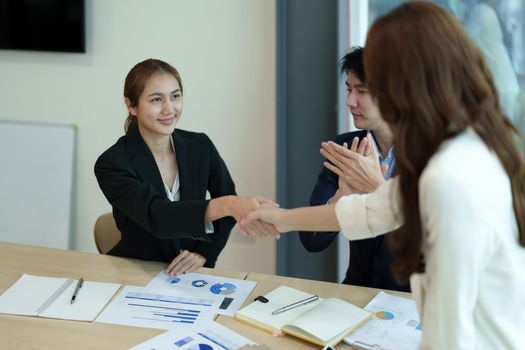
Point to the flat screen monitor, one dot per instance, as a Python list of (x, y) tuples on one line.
[(42, 25)]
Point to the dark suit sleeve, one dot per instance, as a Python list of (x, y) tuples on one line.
[(138, 200), (324, 190), (220, 184), (327, 185)]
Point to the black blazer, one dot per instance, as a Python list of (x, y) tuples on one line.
[(370, 259), (153, 227)]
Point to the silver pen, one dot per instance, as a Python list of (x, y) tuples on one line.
[(296, 304), (80, 283)]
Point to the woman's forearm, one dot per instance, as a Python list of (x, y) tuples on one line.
[(218, 208), (319, 218)]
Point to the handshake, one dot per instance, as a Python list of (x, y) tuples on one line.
[(359, 171), (251, 214)]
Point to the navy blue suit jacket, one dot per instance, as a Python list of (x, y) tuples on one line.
[(153, 227), (370, 259)]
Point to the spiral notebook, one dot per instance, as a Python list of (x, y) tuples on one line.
[(50, 297)]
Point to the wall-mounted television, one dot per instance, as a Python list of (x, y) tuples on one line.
[(42, 25)]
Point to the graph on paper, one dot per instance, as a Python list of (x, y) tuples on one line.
[(147, 307), (230, 292), (212, 337), (394, 326), (168, 299)]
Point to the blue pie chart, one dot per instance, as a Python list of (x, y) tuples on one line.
[(223, 288), (199, 283), (173, 280), (200, 347)]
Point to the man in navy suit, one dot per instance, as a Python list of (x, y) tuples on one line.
[(370, 259)]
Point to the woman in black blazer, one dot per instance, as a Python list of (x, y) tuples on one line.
[(156, 178)]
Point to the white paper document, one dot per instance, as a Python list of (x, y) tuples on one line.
[(230, 292), (214, 336), (153, 308), (394, 326), (51, 297)]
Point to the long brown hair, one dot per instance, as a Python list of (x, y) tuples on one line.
[(431, 83), (136, 81)]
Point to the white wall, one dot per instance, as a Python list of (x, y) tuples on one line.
[(225, 52)]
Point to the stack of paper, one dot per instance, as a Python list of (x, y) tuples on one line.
[(186, 306), (394, 326)]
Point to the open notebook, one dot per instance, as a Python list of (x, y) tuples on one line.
[(324, 322), (51, 297)]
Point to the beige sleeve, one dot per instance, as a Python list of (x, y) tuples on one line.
[(369, 215)]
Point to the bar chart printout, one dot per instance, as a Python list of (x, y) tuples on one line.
[(214, 336), (151, 308), (231, 292)]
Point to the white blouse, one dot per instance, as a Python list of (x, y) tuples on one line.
[(472, 295)]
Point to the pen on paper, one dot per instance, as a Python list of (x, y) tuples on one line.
[(80, 283), (296, 304)]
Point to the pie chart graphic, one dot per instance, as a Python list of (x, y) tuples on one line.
[(384, 315), (200, 347), (199, 283), (223, 288), (173, 280)]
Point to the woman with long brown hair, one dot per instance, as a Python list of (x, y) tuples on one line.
[(156, 177), (459, 194)]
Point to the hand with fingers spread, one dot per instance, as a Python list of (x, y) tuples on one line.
[(185, 262), (358, 166)]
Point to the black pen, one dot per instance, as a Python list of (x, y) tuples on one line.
[(80, 283), (296, 304)]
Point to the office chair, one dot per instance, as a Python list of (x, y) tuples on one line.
[(106, 233)]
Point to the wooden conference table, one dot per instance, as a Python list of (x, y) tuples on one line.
[(22, 332)]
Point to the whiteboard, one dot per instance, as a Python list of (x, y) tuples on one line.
[(36, 183)]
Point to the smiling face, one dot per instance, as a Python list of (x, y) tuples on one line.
[(361, 104), (159, 106)]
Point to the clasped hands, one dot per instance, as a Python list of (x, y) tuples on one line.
[(358, 169), (237, 207), (243, 206)]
